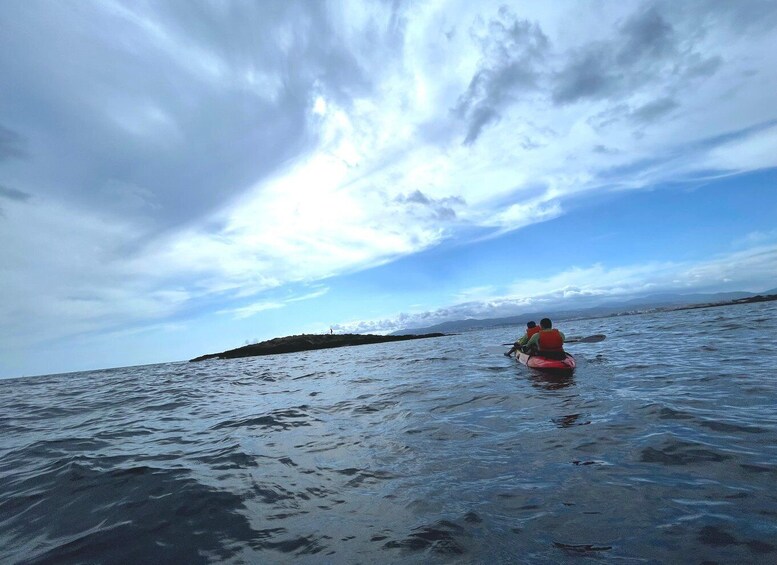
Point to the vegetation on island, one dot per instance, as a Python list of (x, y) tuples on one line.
[(307, 342)]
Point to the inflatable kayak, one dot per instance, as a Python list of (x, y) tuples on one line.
[(539, 362)]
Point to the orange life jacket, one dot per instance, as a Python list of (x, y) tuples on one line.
[(550, 340), (531, 331)]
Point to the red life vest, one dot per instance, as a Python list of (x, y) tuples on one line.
[(550, 340), (531, 331)]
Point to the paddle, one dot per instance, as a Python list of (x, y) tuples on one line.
[(596, 338)]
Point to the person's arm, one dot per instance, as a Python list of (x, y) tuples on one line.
[(523, 340), (513, 349), (534, 341), (563, 339)]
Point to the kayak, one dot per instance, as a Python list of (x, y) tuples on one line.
[(539, 362)]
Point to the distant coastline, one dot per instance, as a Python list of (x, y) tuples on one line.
[(653, 304), (748, 300), (308, 342)]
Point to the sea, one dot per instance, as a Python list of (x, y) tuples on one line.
[(661, 448)]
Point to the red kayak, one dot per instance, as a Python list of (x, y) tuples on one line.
[(539, 362)]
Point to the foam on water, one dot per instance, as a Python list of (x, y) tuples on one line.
[(661, 448)]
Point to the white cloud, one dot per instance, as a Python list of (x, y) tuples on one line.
[(588, 286), (475, 293), (257, 307), (756, 238), (752, 152), (60, 276), (310, 296), (252, 309), (222, 155), (335, 210)]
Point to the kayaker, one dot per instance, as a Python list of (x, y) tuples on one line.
[(531, 329), (548, 342)]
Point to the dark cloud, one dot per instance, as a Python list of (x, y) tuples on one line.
[(645, 49), (643, 44), (646, 36), (11, 147), (188, 104), (11, 144), (589, 74), (703, 67), (418, 197), (513, 51), (643, 115), (13, 194), (654, 110), (439, 208)]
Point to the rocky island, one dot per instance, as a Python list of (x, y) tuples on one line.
[(307, 342)]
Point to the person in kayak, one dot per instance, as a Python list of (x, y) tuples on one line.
[(531, 329), (548, 342)]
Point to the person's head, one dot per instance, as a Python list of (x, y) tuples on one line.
[(546, 324), (531, 325)]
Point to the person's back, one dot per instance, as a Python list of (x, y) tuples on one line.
[(548, 342)]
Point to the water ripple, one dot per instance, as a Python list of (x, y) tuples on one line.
[(433, 451)]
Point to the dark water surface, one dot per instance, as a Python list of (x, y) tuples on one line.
[(661, 449)]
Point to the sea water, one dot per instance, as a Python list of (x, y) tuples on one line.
[(662, 448)]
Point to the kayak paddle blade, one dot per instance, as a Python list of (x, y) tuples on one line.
[(596, 338)]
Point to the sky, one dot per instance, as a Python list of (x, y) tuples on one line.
[(187, 176)]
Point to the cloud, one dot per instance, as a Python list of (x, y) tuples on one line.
[(190, 107), (252, 309), (186, 157), (593, 285), (654, 110), (13, 194), (11, 144), (755, 149), (646, 35), (645, 50), (756, 238), (441, 208), (513, 52), (534, 211), (257, 307), (61, 277), (310, 296), (477, 293)]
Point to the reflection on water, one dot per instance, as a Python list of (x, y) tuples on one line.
[(571, 420), (430, 451), (550, 381)]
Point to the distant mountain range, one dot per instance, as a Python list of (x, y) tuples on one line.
[(649, 303)]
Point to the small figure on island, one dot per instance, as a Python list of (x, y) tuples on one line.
[(330, 330), (531, 329), (548, 342)]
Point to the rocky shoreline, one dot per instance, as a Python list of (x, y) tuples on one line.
[(308, 342), (748, 300)]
